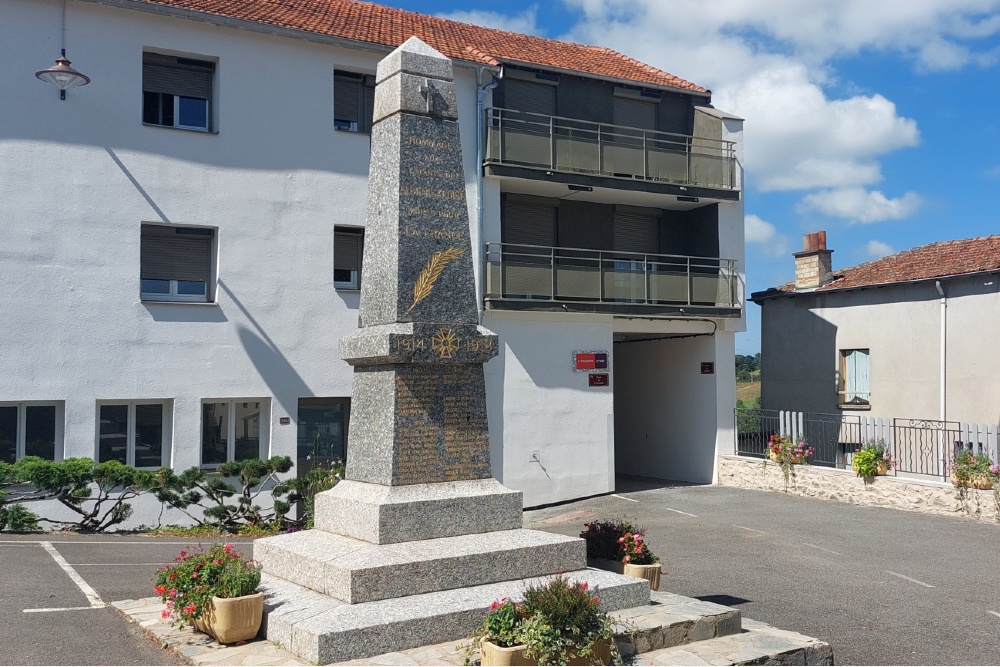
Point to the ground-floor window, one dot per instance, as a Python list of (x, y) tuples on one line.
[(132, 432), (233, 430), (322, 431), (30, 429), (854, 377)]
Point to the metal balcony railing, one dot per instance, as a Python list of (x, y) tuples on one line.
[(573, 275), (554, 143)]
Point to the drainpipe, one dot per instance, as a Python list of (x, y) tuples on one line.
[(480, 129), (944, 367)]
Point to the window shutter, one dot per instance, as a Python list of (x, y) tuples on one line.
[(164, 74), (347, 252), (174, 257), (529, 224), (528, 96), (346, 99), (634, 113), (637, 232)]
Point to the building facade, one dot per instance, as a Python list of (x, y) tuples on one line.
[(901, 337), (185, 240)]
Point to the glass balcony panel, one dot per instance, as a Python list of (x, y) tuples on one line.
[(578, 282)]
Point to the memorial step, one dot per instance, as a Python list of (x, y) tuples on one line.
[(672, 620), (321, 629), (354, 571)]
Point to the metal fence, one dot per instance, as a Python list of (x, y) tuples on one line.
[(919, 447)]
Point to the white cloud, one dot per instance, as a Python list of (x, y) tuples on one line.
[(860, 205), (762, 233), (875, 249), (526, 22)]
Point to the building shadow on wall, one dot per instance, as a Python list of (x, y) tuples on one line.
[(282, 379), (799, 363)]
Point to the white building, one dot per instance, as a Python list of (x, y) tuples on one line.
[(183, 234)]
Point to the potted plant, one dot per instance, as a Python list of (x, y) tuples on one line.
[(872, 460), (215, 591), (499, 637), (639, 560), (557, 623), (619, 546), (973, 470), (787, 453)]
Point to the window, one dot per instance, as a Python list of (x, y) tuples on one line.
[(175, 263), (353, 101), (177, 92), (854, 383), (30, 429), (133, 433), (348, 248), (233, 430)]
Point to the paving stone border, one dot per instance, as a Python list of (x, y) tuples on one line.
[(929, 497)]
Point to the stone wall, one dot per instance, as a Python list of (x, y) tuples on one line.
[(845, 486)]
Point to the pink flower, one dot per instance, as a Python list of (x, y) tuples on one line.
[(173, 592), (628, 559), (194, 575), (189, 609), (165, 614), (217, 562), (621, 540), (227, 548)]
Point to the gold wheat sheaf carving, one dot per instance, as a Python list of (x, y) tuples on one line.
[(430, 273)]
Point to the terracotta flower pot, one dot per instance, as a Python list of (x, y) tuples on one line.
[(492, 654), (601, 655), (649, 572), (977, 481), (232, 620), (882, 468)]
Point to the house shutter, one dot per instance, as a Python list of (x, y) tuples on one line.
[(165, 74), (346, 99), (857, 375), (174, 257), (637, 232), (634, 113), (529, 224), (369, 91), (528, 96), (347, 252)]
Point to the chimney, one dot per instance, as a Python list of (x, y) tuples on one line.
[(813, 266)]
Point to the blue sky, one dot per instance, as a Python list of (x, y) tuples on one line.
[(875, 120)]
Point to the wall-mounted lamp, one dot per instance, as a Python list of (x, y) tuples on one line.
[(62, 76), (580, 188)]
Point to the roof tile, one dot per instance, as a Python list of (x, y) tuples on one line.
[(388, 26)]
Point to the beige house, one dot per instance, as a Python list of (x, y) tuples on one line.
[(911, 335)]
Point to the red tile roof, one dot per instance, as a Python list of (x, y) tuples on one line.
[(934, 260), (387, 26)]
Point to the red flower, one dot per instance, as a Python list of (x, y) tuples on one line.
[(189, 609), (217, 562), (585, 585), (161, 589), (164, 614)]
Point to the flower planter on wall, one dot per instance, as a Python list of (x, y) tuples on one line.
[(650, 572), (601, 655), (501, 656), (232, 620), (979, 481)]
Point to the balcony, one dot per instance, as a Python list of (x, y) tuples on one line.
[(524, 277), (522, 140)]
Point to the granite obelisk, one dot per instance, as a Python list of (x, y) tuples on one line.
[(418, 540)]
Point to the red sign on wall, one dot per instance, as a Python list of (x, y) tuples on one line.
[(598, 380), (590, 361)]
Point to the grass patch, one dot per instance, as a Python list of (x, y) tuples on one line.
[(747, 391)]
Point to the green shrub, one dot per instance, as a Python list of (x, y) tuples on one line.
[(561, 620)]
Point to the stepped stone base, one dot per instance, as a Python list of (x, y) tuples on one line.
[(322, 629), (757, 644), (355, 571), (388, 514)]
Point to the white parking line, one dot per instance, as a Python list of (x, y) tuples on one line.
[(680, 512), (35, 611), (631, 500), (903, 576), (95, 600), (118, 564), (752, 530), (993, 612), (829, 551)]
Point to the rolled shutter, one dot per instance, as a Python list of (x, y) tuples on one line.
[(634, 113), (528, 96), (637, 232), (347, 250), (346, 99), (165, 74), (369, 105), (174, 257), (529, 224)]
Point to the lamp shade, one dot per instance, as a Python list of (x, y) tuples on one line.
[(62, 76)]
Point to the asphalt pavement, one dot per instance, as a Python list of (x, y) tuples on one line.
[(881, 586)]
